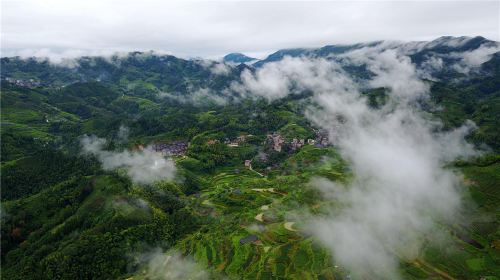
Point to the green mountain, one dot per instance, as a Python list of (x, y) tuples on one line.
[(235, 201), (237, 58)]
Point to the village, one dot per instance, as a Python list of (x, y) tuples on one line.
[(277, 141), (274, 142), (174, 148), (31, 83)]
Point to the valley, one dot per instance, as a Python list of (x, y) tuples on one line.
[(124, 166)]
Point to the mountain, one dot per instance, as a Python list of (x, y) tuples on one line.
[(237, 58), (445, 44), (145, 71), (279, 55), (77, 136), (444, 57)]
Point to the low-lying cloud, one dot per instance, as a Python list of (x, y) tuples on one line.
[(142, 166), (172, 265), (216, 67), (397, 153), (201, 96), (291, 75), (471, 60), (123, 133)]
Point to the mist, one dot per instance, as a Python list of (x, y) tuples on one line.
[(470, 60), (142, 166), (123, 133), (198, 97), (397, 154), (159, 265)]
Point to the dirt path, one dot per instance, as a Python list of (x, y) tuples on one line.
[(262, 175), (429, 268), (289, 226), (260, 217), (207, 202), (269, 190)]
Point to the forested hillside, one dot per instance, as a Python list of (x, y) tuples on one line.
[(80, 144)]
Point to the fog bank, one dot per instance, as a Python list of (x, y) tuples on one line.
[(142, 166)]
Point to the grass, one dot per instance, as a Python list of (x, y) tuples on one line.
[(476, 264), (26, 131)]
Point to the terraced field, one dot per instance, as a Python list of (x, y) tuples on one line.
[(248, 235), (252, 233), (276, 250)]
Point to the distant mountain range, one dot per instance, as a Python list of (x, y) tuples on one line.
[(238, 58), (416, 49), (445, 58)]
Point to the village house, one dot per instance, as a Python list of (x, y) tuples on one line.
[(238, 141), (263, 157), (324, 142), (249, 239), (212, 142), (276, 140), (232, 144), (175, 148), (248, 163), (296, 143), (241, 138), (322, 139), (24, 83)]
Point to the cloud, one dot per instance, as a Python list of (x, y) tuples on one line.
[(213, 29), (399, 189), (397, 157), (216, 67), (291, 75), (142, 166), (473, 59), (221, 69), (123, 133), (449, 42), (171, 266), (431, 65), (392, 70), (396, 153), (201, 96)]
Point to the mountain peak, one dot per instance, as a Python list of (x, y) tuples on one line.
[(237, 58)]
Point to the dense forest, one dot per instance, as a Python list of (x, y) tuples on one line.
[(68, 214)]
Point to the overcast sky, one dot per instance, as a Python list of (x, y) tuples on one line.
[(212, 29)]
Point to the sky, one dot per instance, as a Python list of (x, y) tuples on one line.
[(211, 29)]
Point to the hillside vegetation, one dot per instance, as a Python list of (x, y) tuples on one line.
[(237, 206)]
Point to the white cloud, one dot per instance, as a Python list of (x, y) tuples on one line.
[(396, 153), (220, 68), (215, 67), (291, 75), (123, 133), (142, 166), (473, 59), (392, 70), (170, 266), (201, 96), (213, 29), (430, 65)]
